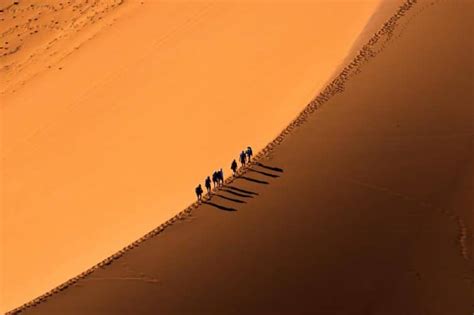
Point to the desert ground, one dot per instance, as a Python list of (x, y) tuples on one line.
[(362, 204), (113, 111)]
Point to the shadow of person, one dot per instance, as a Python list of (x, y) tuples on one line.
[(236, 193), (264, 173), (215, 205), (230, 199), (254, 180), (272, 168), (240, 190)]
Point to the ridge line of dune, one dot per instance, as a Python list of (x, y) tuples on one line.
[(367, 52)]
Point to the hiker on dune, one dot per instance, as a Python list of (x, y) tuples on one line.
[(208, 184), (249, 153), (214, 179), (199, 192), (233, 166), (242, 158), (221, 177)]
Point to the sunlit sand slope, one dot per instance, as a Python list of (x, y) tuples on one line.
[(37, 34), (363, 205), (112, 115)]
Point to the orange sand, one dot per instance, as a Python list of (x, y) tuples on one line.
[(111, 116), (363, 204)]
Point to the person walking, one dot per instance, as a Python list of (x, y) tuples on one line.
[(233, 166), (242, 158), (221, 177), (249, 153), (199, 192), (214, 178), (208, 184)]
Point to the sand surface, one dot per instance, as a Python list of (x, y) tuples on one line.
[(361, 206), (112, 111)]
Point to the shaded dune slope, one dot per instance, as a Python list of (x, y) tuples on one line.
[(363, 204)]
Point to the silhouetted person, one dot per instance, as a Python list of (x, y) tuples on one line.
[(199, 192), (221, 177), (233, 166), (214, 178), (242, 158), (208, 184), (249, 153)]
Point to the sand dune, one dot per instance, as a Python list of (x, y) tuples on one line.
[(362, 205), (113, 111), (38, 34)]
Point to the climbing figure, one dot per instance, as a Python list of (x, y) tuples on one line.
[(208, 184), (214, 179), (233, 166), (221, 177), (199, 192), (249, 153), (242, 158)]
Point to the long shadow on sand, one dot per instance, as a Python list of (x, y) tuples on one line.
[(264, 173), (250, 179), (230, 199), (236, 193), (215, 205), (240, 190), (272, 168)]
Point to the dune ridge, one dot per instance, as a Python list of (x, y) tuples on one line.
[(376, 44)]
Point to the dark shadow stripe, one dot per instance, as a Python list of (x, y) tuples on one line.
[(218, 206), (230, 199), (276, 169), (264, 173), (242, 190), (254, 180), (236, 193)]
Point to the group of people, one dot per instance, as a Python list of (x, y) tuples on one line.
[(217, 179), (218, 176)]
